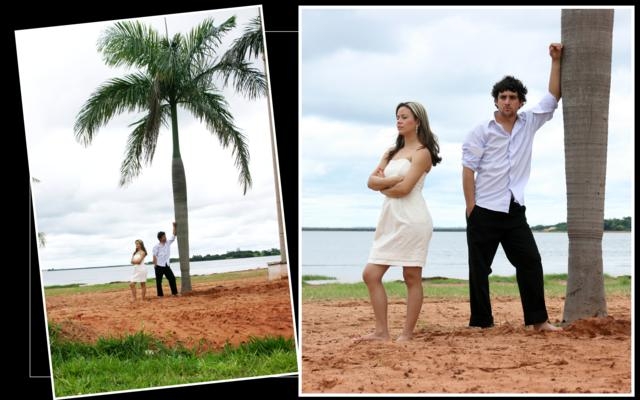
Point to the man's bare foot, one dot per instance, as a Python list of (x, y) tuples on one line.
[(546, 327), (404, 338), (373, 336)]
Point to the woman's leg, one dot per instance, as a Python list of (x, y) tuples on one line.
[(413, 280), (143, 288), (372, 276), (132, 285)]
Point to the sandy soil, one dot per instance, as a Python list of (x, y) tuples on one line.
[(214, 313), (590, 356)]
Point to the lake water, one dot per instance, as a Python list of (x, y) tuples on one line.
[(123, 273), (343, 255)]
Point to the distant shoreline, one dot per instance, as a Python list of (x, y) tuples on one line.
[(371, 229), (609, 225), (147, 264)]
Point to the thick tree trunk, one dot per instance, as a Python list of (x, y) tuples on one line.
[(181, 211), (585, 83)]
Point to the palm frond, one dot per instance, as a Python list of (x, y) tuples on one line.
[(130, 93), (250, 44), (141, 144), (212, 109), (129, 43), (204, 39), (157, 116), (245, 79)]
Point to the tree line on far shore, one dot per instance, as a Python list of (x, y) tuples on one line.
[(232, 254), (613, 224)]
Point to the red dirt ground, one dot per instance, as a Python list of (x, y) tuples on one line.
[(589, 356), (211, 315)]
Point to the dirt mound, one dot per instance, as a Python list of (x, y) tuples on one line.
[(592, 327), (212, 315), (68, 330)]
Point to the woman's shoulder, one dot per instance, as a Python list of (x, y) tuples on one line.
[(421, 154)]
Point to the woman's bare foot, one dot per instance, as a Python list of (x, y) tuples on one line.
[(546, 327), (374, 336), (404, 338)]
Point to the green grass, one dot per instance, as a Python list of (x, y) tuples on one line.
[(317, 278), (554, 286), (142, 361), (151, 282)]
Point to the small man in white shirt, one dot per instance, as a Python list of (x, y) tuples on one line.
[(161, 256), (496, 159)]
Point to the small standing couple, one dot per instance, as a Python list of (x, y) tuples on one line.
[(496, 160), (161, 256)]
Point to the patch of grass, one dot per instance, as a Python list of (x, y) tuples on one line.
[(441, 280), (142, 361), (70, 285), (317, 278), (555, 285), (620, 285), (151, 282)]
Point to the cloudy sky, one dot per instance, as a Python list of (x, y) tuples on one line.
[(88, 219), (357, 64)]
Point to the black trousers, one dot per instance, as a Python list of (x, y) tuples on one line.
[(170, 277), (485, 230)]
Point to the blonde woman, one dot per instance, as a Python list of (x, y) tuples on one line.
[(139, 270), (404, 227)]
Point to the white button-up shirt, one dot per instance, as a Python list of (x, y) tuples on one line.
[(162, 252), (502, 161)]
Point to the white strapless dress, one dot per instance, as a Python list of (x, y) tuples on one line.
[(405, 227), (139, 270)]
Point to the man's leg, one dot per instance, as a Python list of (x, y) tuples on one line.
[(172, 280), (482, 243), (520, 248), (159, 273)]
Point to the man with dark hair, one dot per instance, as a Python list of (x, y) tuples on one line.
[(496, 159), (161, 257)]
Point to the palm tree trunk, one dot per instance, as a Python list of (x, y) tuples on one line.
[(276, 175), (179, 181), (585, 82)]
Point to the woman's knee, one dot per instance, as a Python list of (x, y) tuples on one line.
[(370, 275), (412, 276)]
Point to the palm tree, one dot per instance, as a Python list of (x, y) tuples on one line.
[(585, 80), (169, 72), (250, 46)]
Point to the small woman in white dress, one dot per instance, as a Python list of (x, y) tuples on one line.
[(404, 228), (139, 270)]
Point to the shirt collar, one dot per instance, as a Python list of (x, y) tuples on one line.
[(522, 116)]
